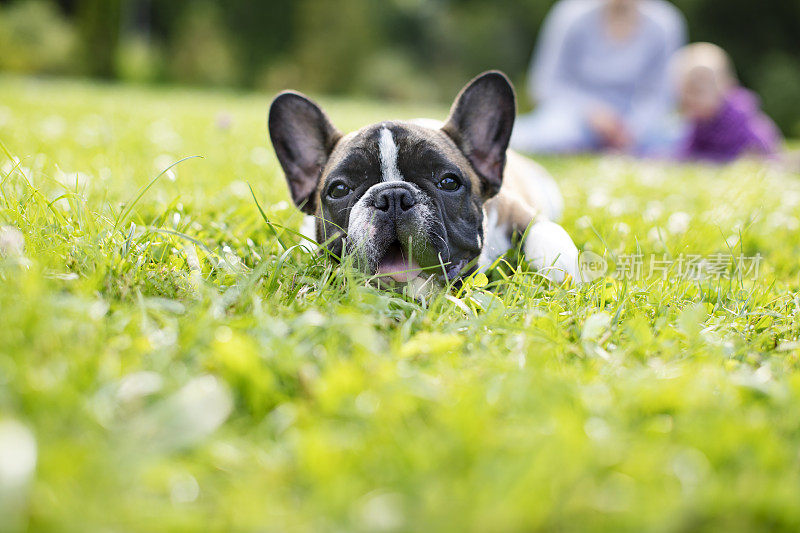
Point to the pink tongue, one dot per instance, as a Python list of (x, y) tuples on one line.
[(398, 268)]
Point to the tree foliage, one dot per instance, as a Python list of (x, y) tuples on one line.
[(402, 49)]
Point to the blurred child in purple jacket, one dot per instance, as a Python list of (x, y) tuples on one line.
[(724, 119)]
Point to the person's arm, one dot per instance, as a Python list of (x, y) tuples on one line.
[(655, 93), (764, 138), (654, 97), (548, 76)]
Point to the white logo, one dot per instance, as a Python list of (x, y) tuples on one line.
[(591, 265)]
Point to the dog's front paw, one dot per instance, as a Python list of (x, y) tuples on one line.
[(551, 251)]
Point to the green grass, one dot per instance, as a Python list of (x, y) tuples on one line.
[(178, 369)]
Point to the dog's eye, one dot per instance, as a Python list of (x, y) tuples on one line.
[(338, 190), (449, 183)]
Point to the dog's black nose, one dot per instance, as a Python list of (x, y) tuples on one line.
[(395, 199)]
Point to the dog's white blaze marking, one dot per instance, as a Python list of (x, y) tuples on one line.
[(388, 152)]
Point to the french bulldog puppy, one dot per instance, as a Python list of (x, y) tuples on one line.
[(414, 200)]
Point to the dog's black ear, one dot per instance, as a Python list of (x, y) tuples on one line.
[(303, 138), (480, 123)]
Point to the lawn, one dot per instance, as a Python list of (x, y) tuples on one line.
[(171, 361)]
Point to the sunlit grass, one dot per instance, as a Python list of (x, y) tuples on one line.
[(170, 364)]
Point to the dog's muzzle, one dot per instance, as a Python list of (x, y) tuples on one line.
[(389, 231)]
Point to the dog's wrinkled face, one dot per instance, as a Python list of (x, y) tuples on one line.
[(408, 199), (402, 199)]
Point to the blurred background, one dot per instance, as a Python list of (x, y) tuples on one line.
[(387, 49)]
